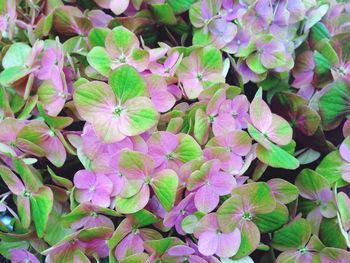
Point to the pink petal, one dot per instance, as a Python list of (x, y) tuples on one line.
[(260, 114), (84, 179), (222, 183), (228, 244), (118, 6), (280, 131), (208, 243), (223, 124), (206, 199), (132, 244), (344, 149), (162, 100)]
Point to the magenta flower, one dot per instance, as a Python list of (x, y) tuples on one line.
[(209, 183), (93, 187), (212, 240), (22, 255)]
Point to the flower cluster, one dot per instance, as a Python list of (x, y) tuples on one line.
[(175, 131)]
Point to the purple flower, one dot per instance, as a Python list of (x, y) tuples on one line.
[(212, 240), (234, 9), (22, 255), (184, 208)]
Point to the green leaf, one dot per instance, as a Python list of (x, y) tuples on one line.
[(163, 13), (41, 205), (292, 236), (188, 149), (127, 83), (164, 185), (100, 60), (16, 55)]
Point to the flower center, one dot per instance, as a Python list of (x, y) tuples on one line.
[(199, 76), (302, 250), (122, 58), (218, 232), (26, 194), (148, 179), (93, 214), (118, 111), (211, 118), (247, 216), (170, 156), (92, 188), (230, 10)]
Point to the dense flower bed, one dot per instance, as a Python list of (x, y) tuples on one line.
[(192, 131)]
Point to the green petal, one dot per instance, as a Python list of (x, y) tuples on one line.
[(127, 83), (284, 191), (164, 185), (133, 204), (16, 55), (188, 149), (97, 36), (273, 220), (292, 236), (163, 13), (334, 104), (331, 168), (250, 238), (10, 75), (100, 60), (140, 115), (310, 183), (41, 205), (276, 157), (253, 62)]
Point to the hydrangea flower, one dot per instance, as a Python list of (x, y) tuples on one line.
[(93, 187)]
